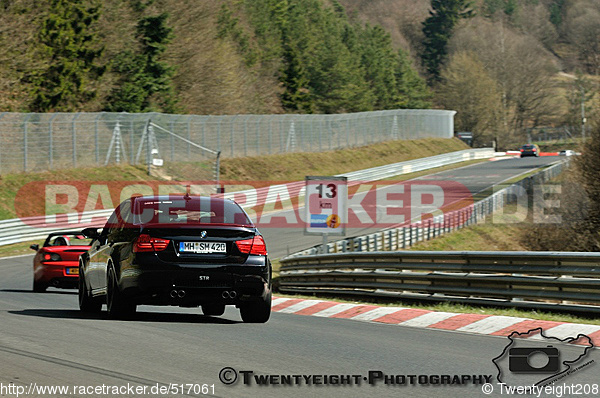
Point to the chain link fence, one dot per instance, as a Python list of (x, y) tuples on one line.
[(44, 141)]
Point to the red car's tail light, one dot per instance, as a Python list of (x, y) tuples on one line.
[(146, 243), (52, 257), (255, 245)]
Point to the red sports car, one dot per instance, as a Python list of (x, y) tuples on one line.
[(56, 263)]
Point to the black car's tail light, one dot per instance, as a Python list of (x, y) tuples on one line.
[(255, 245), (146, 243), (52, 257)]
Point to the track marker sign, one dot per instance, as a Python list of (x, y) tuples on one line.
[(326, 204)]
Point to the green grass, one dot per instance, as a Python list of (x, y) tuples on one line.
[(18, 249), (286, 167), (499, 232), (10, 184)]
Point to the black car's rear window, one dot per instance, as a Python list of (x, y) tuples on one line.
[(194, 210), (527, 146)]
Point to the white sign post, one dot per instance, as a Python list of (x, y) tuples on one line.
[(326, 206)]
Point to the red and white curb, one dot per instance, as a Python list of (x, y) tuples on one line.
[(495, 325)]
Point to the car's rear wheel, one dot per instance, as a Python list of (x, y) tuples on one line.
[(213, 309), (116, 305), (256, 311), (39, 287), (86, 301)]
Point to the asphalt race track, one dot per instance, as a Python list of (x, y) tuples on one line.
[(45, 340)]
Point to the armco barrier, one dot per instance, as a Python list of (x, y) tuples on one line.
[(15, 230), (443, 275)]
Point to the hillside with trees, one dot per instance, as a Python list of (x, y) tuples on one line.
[(507, 66)]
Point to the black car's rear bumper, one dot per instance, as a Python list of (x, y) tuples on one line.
[(196, 284)]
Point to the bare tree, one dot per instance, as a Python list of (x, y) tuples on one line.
[(582, 27), (468, 88), (520, 65)]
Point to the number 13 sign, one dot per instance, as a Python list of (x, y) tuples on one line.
[(326, 205)]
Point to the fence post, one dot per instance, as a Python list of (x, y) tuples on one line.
[(232, 135), (25, 142), (245, 136), (270, 132), (189, 134), (51, 143), (172, 141), (74, 143), (219, 133), (131, 142), (96, 149), (429, 230), (217, 170)]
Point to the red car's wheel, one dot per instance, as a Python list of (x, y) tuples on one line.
[(39, 287)]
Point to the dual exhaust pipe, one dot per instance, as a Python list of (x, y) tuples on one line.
[(181, 294), (177, 294)]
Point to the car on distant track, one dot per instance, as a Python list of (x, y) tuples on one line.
[(530, 150), (56, 263), (566, 152), (186, 251)]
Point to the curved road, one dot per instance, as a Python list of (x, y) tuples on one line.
[(476, 178), (45, 340)]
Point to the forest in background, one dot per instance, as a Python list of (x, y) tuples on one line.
[(506, 66)]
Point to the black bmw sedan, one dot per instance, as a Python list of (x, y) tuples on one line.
[(186, 251)]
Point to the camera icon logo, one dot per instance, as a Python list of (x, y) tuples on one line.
[(526, 360)]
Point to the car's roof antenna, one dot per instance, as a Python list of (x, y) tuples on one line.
[(187, 192)]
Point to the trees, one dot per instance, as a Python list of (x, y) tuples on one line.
[(70, 45), (521, 67), (583, 32), (443, 17), (145, 81), (468, 88), (413, 92), (326, 63)]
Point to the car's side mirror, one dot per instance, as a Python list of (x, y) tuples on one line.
[(35, 247), (91, 233)]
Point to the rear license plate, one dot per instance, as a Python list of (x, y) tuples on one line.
[(202, 247), (73, 271)]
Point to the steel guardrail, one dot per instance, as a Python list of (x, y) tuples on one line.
[(478, 275), (30, 228)]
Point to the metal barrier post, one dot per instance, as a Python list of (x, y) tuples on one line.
[(74, 139)]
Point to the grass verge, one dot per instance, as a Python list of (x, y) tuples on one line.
[(18, 249), (500, 231), (285, 167)]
